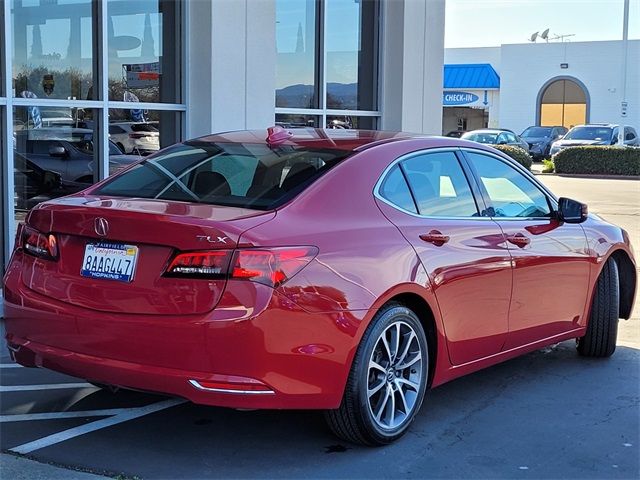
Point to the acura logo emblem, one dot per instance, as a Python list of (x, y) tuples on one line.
[(101, 226)]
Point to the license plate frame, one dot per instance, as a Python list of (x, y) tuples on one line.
[(109, 261)]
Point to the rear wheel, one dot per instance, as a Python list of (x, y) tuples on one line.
[(387, 382), (602, 330)]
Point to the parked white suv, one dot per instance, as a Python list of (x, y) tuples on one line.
[(595, 134), (135, 137)]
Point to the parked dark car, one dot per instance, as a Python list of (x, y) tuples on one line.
[(455, 133), (34, 185), (496, 136), (67, 151), (540, 139), (596, 134)]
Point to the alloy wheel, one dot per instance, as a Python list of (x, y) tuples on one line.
[(394, 375)]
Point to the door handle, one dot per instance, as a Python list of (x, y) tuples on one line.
[(519, 240), (435, 237)]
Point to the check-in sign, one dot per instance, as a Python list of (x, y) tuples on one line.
[(458, 98)]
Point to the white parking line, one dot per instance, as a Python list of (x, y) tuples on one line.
[(128, 414), (10, 365), (26, 417), (48, 386)]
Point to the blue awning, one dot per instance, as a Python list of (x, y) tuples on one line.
[(471, 75)]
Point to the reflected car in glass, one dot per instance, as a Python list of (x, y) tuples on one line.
[(540, 139), (596, 134), (33, 185), (67, 151), (250, 270), (135, 137), (491, 136)]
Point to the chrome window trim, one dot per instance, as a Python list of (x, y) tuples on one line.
[(407, 156), (509, 161)]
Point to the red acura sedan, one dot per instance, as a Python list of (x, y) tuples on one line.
[(340, 270)]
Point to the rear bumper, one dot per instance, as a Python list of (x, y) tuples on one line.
[(297, 359)]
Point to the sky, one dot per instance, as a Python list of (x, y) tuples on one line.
[(486, 23)]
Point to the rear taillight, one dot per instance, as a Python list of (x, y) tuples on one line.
[(43, 245), (214, 264), (272, 266)]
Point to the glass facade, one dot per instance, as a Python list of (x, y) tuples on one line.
[(86, 88), (327, 63)]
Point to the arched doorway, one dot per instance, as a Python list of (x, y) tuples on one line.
[(563, 101)]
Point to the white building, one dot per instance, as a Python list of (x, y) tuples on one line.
[(553, 84)]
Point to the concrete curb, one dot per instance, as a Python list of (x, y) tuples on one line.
[(21, 468), (597, 177)]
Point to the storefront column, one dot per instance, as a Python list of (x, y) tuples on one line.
[(231, 65), (412, 59)]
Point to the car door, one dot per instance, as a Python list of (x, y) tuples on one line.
[(428, 197), (551, 260)]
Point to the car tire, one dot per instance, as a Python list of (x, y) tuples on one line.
[(602, 329), (387, 382)]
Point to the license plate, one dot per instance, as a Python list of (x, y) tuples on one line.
[(109, 261)]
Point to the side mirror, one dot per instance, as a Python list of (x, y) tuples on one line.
[(572, 211), (502, 142), (57, 151)]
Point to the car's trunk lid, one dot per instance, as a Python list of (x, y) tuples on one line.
[(159, 229)]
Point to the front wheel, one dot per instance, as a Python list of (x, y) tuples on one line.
[(387, 381), (602, 329)]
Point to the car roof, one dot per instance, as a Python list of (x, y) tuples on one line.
[(339, 139)]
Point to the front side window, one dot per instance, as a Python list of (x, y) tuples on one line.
[(232, 174), (511, 194), (439, 185)]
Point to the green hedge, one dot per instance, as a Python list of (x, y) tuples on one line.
[(518, 154), (598, 160)]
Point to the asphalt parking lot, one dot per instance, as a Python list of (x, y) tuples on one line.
[(549, 414)]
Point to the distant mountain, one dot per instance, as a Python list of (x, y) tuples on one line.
[(339, 95)]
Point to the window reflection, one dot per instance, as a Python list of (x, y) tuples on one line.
[(142, 38), (295, 121), (52, 49), (296, 75), (52, 159), (346, 122), (351, 44), (135, 138)]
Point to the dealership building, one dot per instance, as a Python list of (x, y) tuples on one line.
[(515, 86), (82, 80)]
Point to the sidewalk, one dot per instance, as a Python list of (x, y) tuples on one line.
[(19, 468)]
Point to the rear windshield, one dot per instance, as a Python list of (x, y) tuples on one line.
[(232, 174), (143, 127), (533, 132), (481, 137)]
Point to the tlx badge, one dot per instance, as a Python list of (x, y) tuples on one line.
[(211, 239)]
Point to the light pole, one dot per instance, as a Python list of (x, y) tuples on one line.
[(623, 90)]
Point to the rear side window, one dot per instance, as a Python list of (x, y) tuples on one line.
[(395, 189), (232, 174), (439, 185)]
